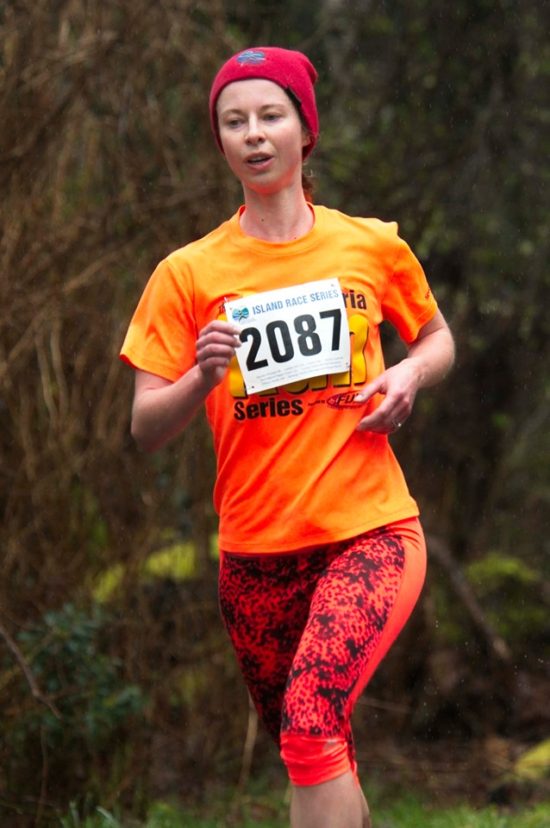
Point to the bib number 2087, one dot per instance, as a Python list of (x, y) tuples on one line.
[(281, 342)]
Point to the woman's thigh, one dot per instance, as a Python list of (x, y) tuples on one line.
[(264, 602), (360, 604)]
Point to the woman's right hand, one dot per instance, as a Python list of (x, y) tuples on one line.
[(216, 345), (162, 409)]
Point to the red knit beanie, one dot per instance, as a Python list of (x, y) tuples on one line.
[(291, 70)]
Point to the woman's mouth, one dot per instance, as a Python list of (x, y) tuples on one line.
[(258, 159)]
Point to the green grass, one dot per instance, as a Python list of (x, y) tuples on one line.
[(412, 814), (265, 812)]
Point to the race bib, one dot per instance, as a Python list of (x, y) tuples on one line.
[(291, 334)]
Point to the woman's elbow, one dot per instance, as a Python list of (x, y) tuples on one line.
[(142, 436), (450, 348)]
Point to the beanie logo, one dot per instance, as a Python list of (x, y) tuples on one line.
[(251, 57)]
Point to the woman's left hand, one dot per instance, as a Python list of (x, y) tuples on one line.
[(430, 357), (399, 385)]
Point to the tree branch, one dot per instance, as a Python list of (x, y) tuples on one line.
[(27, 672), (442, 554)]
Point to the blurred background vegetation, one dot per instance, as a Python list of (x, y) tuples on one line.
[(117, 684)]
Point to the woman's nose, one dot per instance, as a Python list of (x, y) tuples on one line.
[(254, 132)]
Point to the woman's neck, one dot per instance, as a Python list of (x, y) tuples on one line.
[(279, 217)]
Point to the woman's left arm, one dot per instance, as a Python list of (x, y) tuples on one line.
[(429, 359)]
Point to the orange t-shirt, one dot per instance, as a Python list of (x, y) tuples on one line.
[(292, 470)]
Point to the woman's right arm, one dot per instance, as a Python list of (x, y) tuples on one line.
[(162, 409)]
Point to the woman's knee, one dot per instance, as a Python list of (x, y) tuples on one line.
[(312, 760)]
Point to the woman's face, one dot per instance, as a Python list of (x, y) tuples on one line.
[(261, 134)]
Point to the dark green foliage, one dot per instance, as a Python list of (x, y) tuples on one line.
[(512, 595), (72, 666), (83, 709)]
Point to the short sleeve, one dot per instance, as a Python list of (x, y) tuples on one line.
[(162, 333), (408, 303)]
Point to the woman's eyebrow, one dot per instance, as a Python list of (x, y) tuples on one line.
[(238, 109)]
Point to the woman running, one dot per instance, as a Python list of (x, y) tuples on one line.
[(272, 321)]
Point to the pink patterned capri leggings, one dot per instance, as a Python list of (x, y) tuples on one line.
[(309, 629)]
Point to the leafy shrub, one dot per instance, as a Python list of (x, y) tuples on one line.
[(84, 682), (88, 706), (511, 593)]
